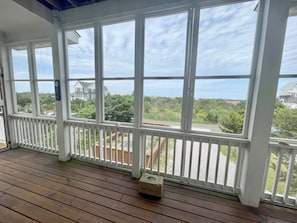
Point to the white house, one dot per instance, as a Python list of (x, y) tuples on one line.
[(84, 90), (288, 94)]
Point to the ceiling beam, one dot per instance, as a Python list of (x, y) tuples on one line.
[(55, 4), (73, 3), (36, 8)]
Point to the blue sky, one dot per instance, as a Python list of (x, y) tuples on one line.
[(226, 36)]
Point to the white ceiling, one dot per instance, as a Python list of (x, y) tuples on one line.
[(18, 23)]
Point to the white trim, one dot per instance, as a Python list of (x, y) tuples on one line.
[(273, 29)]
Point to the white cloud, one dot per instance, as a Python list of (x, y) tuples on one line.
[(81, 56), (226, 38), (118, 49), (165, 44)]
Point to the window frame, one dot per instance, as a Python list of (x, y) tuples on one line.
[(251, 76), (157, 14), (102, 77), (67, 73), (36, 80), (32, 76), (189, 77)]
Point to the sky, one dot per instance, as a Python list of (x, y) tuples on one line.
[(225, 47)]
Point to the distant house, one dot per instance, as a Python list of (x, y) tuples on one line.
[(85, 90), (288, 94)]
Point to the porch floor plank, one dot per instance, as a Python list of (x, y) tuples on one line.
[(36, 187)]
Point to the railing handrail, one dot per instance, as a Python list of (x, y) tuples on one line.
[(39, 118), (274, 146), (169, 133)]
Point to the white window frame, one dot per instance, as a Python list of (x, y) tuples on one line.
[(29, 47), (101, 77), (189, 78), (68, 79)]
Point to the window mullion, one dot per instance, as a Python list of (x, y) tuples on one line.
[(33, 79), (12, 82), (190, 68), (99, 73)]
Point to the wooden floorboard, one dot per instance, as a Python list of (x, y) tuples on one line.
[(35, 187)]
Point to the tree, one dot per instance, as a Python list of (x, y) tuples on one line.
[(234, 122), (24, 99), (119, 108), (285, 123)]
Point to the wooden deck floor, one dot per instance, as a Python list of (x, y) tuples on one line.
[(35, 187)]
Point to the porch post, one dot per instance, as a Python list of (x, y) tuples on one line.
[(138, 146), (4, 63), (273, 14), (63, 138)]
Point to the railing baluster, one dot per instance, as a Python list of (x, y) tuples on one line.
[(174, 154), (79, 141), (183, 158), (238, 167), (94, 144), (105, 144), (34, 128), (122, 141), (51, 135), (42, 135), (129, 144), (30, 143), (116, 148), (152, 147), (199, 160), (14, 124), (289, 175), (144, 152), (159, 153), (110, 145), (39, 134), (166, 154), (217, 164), (208, 159), (73, 137), (47, 135), (227, 166), (100, 143), (190, 159), (25, 132), (277, 173), (84, 140), (55, 134)]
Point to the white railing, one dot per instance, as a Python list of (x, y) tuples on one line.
[(34, 133), (106, 145), (281, 175), (2, 130), (205, 161), (210, 162)]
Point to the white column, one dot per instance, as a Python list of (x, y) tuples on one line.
[(8, 96), (138, 146), (274, 15), (63, 137)]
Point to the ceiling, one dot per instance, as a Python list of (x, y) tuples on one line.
[(61, 5), (18, 23)]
